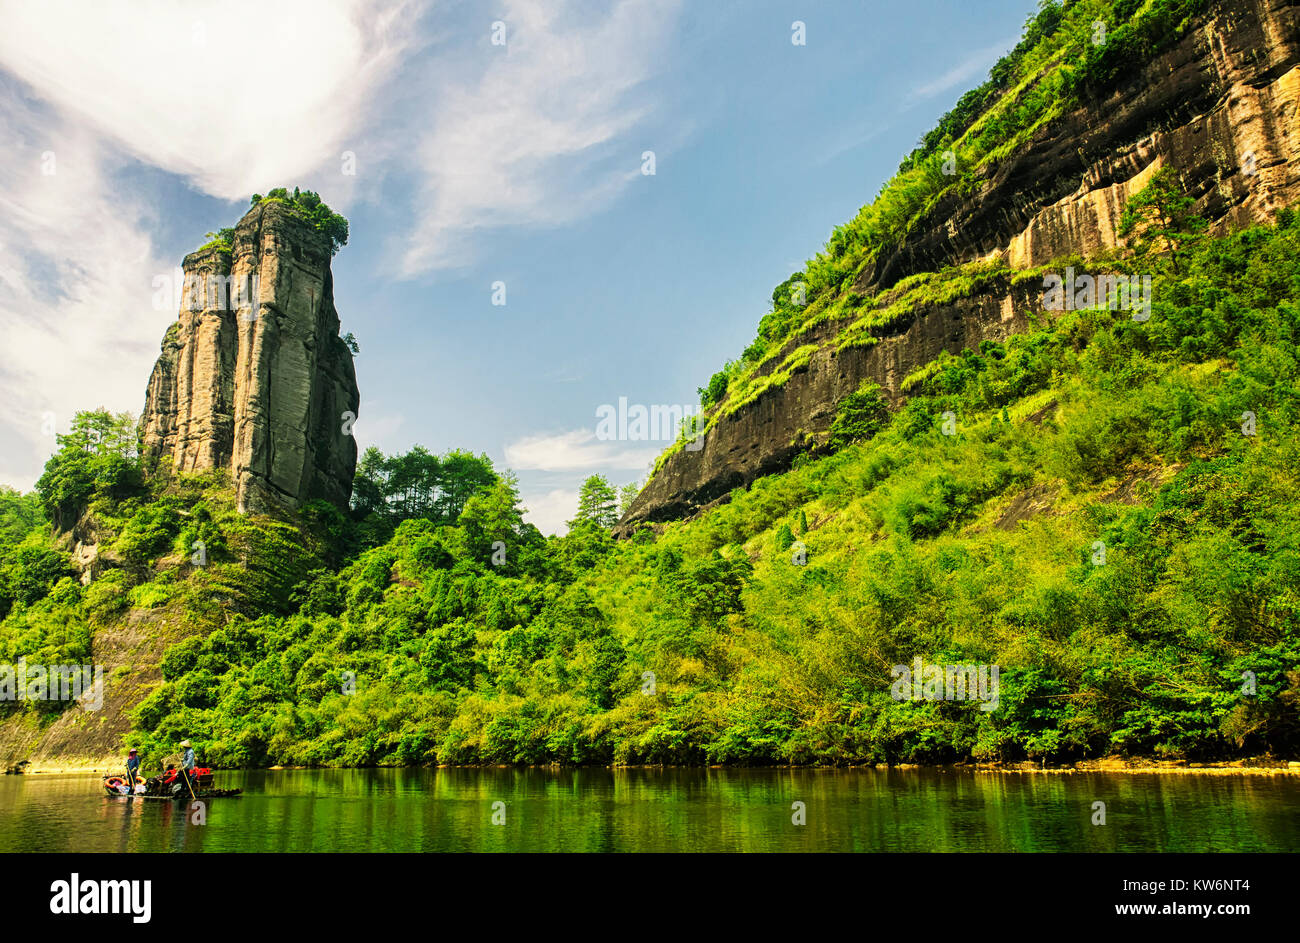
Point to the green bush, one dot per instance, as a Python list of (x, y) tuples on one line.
[(307, 204), (859, 416)]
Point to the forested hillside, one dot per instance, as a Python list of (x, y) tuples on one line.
[(1030, 169), (712, 642), (1099, 499)]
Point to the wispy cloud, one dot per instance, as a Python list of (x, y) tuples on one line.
[(237, 96), (550, 511), (379, 427), (542, 134), (576, 450), (972, 67), (76, 267)]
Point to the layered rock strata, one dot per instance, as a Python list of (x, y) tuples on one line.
[(253, 376), (1222, 107)]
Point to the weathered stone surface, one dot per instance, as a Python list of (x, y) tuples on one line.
[(764, 437), (1227, 91), (1221, 107), (253, 376)]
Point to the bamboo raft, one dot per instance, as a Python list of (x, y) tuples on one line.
[(158, 788)]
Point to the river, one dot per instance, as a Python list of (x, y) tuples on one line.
[(664, 810)]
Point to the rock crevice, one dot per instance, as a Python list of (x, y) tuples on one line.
[(1222, 107), (253, 376)]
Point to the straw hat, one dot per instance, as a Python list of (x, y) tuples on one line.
[(185, 744)]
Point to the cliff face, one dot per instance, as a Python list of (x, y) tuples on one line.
[(253, 376), (764, 437), (1221, 107)]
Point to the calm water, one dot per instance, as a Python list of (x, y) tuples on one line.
[(664, 810)]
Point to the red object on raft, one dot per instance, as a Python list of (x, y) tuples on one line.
[(202, 775), (168, 785)]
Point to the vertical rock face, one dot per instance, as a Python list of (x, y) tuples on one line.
[(1222, 107), (1219, 107), (253, 376)]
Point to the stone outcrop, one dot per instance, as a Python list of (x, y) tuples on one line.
[(253, 376), (1222, 107), (764, 437)]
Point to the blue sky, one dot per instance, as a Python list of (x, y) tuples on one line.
[(131, 130)]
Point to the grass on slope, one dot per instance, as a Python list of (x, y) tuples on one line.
[(710, 643)]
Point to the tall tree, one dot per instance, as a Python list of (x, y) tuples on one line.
[(1160, 214), (626, 495), (97, 456), (418, 484), (463, 475), (100, 432), (597, 503)]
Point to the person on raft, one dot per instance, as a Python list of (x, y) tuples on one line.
[(132, 769), (188, 764)]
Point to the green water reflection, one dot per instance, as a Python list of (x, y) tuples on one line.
[(664, 810)]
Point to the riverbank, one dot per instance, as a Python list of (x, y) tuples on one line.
[(1268, 766)]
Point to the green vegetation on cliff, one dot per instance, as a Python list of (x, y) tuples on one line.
[(308, 205), (1103, 507), (1071, 52)]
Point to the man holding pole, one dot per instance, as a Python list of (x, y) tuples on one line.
[(132, 770), (188, 765)]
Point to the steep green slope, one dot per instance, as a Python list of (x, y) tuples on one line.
[(1098, 525), (1070, 53)]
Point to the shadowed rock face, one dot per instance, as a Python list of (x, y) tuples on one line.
[(1220, 103), (764, 437), (1222, 107), (253, 376)]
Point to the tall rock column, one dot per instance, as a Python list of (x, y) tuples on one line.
[(253, 376)]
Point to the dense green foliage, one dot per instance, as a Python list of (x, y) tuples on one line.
[(29, 567), (859, 416), (307, 204), (96, 457), (1062, 60), (1104, 507), (1125, 612), (390, 489)]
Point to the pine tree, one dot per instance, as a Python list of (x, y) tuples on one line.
[(597, 503), (626, 495)]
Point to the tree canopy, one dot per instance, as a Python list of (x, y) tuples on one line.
[(98, 454), (389, 489), (1159, 216), (597, 503), (308, 204)]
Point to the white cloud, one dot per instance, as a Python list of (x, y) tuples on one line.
[(550, 512), (238, 96), (541, 136), (576, 450), (75, 287), (976, 64), (376, 427)]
